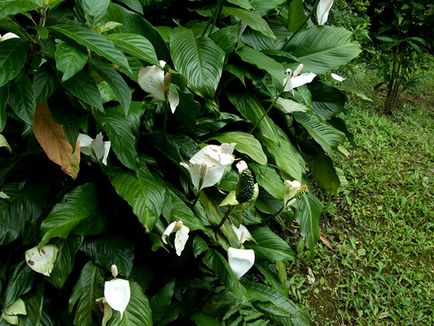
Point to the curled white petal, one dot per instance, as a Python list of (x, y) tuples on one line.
[(107, 145), (297, 81), (173, 98), (117, 294), (170, 229), (291, 189), (337, 77), (242, 233), (97, 146), (322, 11), (151, 80), (240, 260), (84, 140), (8, 36), (181, 238), (42, 260)]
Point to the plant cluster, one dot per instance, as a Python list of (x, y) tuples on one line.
[(145, 164)]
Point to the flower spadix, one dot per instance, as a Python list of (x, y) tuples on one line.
[(181, 235), (117, 292), (207, 166), (8, 36), (322, 11), (295, 79), (156, 82), (42, 260), (95, 147), (240, 260)]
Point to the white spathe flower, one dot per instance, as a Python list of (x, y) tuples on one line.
[(117, 293), (291, 190), (97, 147), (242, 233), (181, 235), (11, 312), (337, 77), (240, 260), (207, 166), (42, 260), (154, 80), (295, 79), (8, 36), (322, 11)]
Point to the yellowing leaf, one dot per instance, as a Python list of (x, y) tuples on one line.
[(51, 137)]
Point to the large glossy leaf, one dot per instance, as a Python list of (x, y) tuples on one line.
[(262, 61), (323, 48), (108, 250), (75, 206), (52, 138), (327, 101), (262, 7), (161, 304), (3, 103), (307, 214), (122, 131), (226, 38), (34, 305), (88, 288), (13, 7), (218, 264), (245, 143), (325, 174), (45, 82), (249, 18), (261, 293), (20, 282), (324, 134), (268, 245), (138, 311), (95, 42), (135, 45), (13, 56), (22, 98), (83, 86), (200, 60), (296, 15), (69, 59), (95, 8), (143, 192), (22, 208), (268, 178), (65, 260)]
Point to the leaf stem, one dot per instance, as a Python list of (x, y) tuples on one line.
[(267, 111), (214, 18), (225, 217)]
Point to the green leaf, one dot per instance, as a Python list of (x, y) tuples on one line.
[(262, 61), (323, 48), (45, 83), (144, 193), (75, 206), (268, 245), (95, 8), (122, 131), (325, 174), (218, 264), (88, 288), (69, 59), (3, 103), (307, 214), (65, 260), (161, 301), (4, 143), (261, 293), (13, 7), (245, 4), (201, 319), (116, 82), (13, 56), (200, 60), (174, 208), (108, 250), (136, 45), (288, 106), (269, 179), (199, 246), (138, 311), (324, 134), (262, 7), (249, 18), (135, 5), (22, 98), (296, 15), (95, 42), (246, 144), (84, 88), (226, 38), (20, 282), (327, 101), (34, 305)]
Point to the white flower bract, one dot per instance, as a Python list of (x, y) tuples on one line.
[(242, 233), (152, 80), (181, 235), (322, 11), (42, 260), (97, 147), (291, 189), (8, 36), (337, 77), (117, 293), (295, 79), (240, 260)]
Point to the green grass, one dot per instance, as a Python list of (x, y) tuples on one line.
[(381, 225)]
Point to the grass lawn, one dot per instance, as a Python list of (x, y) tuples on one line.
[(381, 268)]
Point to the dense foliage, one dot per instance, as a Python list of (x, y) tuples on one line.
[(124, 122)]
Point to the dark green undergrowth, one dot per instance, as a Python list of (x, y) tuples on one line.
[(379, 267)]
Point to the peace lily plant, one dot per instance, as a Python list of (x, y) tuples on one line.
[(96, 148)]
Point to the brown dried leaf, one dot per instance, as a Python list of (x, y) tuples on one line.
[(326, 242), (51, 137)]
